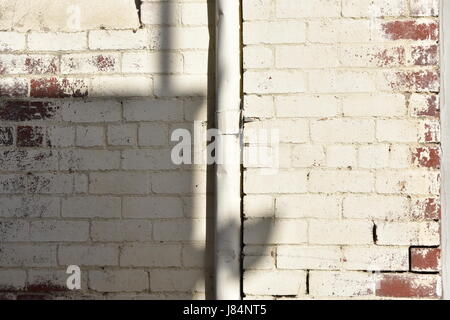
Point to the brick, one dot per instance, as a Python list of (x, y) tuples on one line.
[(19, 110), (12, 280), (339, 31), (274, 32), (153, 110), (14, 230), (122, 135), (51, 41), (119, 86), (177, 280), (280, 282), (130, 183), (28, 255), (341, 284), (274, 82), (429, 131), (397, 131), (92, 111), (309, 257), (56, 231), (89, 63), (410, 81), (400, 156), (411, 30), (186, 37), (341, 181), (29, 207), (147, 159), (424, 105), (335, 232), (29, 64), (374, 105), (28, 136), (341, 81), (424, 55), (374, 156), (193, 182), (372, 56), (269, 231), (287, 130), (194, 255), (315, 56), (181, 85), (258, 9), (259, 263), (421, 8), (12, 41), (89, 160), (90, 136), (88, 255), (259, 206), (119, 39), (121, 230), (304, 156), (306, 106), (13, 87), (427, 157), (91, 207), (153, 134), (58, 88), (300, 9), (426, 259), (149, 62), (340, 156), (376, 258), (194, 14), (49, 281), (29, 160), (12, 184), (152, 207), (257, 57), (378, 8), (6, 136), (408, 286), (60, 137), (195, 62), (343, 130), (408, 233), (180, 230), (282, 182), (151, 13), (308, 206), (143, 255), (124, 280), (377, 207), (408, 182), (426, 208), (50, 183)]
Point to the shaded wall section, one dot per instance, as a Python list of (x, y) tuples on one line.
[(85, 171)]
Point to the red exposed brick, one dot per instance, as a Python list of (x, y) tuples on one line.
[(431, 133), (28, 136), (104, 63), (425, 55), (13, 88), (392, 57), (427, 157), (58, 88), (429, 209), (425, 259), (407, 286), (413, 81), (15, 110), (411, 30), (432, 108), (36, 65), (6, 136)]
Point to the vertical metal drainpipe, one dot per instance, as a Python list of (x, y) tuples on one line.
[(228, 151)]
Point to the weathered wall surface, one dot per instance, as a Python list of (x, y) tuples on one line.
[(85, 172), (354, 210)]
